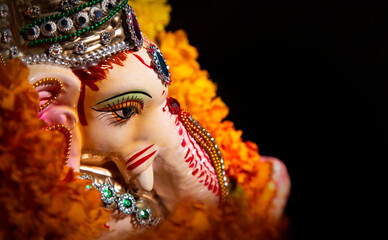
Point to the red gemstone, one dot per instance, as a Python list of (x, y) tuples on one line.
[(173, 105)]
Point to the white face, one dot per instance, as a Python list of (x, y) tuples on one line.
[(123, 116)]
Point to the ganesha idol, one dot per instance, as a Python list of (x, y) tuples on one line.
[(105, 86)]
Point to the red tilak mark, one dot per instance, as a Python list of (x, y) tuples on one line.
[(106, 226), (183, 142), (180, 131), (195, 172), (139, 153), (187, 154), (142, 61), (140, 161)]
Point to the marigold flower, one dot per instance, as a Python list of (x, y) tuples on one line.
[(40, 197), (153, 16)]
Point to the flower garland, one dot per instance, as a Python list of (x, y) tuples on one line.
[(40, 198), (59, 206)]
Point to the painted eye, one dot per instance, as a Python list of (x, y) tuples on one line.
[(125, 113), (120, 108)]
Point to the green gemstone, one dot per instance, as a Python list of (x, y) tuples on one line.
[(88, 187), (107, 193), (127, 203), (144, 214)]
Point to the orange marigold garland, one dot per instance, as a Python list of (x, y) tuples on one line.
[(40, 198)]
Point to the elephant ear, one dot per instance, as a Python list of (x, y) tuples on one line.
[(48, 90), (58, 91)]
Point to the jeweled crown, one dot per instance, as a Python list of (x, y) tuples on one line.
[(67, 32)]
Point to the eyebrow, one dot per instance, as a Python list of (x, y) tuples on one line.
[(122, 94)]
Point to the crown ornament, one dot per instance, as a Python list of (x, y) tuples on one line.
[(73, 33)]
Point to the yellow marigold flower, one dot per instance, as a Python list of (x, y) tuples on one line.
[(153, 16)]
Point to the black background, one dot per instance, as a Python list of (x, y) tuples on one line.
[(307, 81)]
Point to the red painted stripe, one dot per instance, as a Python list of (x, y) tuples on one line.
[(187, 154), (206, 180), (138, 154), (190, 158), (211, 184), (140, 161), (180, 131), (202, 173), (195, 171), (215, 188), (142, 61), (194, 145), (106, 226), (183, 144)]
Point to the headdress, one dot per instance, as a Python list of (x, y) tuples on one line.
[(71, 33)]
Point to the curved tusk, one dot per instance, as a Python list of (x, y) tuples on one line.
[(146, 179)]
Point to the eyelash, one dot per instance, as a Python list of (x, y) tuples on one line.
[(136, 105)]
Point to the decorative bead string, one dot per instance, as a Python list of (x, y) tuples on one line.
[(59, 15), (68, 135), (125, 203), (48, 81), (79, 32), (207, 142)]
